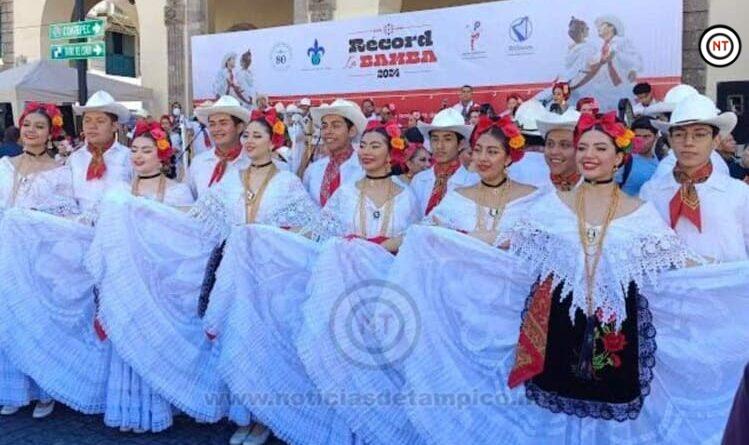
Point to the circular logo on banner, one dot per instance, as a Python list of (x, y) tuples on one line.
[(280, 56), (521, 29), (720, 46)]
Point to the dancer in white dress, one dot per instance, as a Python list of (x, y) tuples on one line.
[(261, 207), (32, 180), (49, 332), (131, 402), (350, 341), (586, 354)]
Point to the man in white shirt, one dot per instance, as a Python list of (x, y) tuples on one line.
[(559, 149), (225, 120), (340, 124), (445, 134), (708, 210), (102, 162), (466, 102), (644, 94)]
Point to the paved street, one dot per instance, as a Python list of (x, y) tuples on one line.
[(66, 427)]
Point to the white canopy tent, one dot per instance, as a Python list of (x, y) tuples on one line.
[(57, 82)]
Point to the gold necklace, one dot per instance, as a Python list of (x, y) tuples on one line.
[(160, 189), (252, 198), (387, 209), (588, 242), (485, 200)]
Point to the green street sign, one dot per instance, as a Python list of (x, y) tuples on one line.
[(72, 51), (76, 30)]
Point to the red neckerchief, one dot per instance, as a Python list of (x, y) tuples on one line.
[(565, 183), (686, 201), (605, 51), (442, 173), (331, 179), (224, 157), (97, 167), (530, 353)]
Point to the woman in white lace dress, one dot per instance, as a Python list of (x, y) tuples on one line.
[(126, 217), (364, 222), (33, 180), (262, 205), (585, 367)]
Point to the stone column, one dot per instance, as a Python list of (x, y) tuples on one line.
[(694, 69), (195, 23), (6, 30), (174, 19)]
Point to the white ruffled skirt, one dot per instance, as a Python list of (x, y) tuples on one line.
[(149, 261), (16, 388), (470, 299), (47, 308), (255, 312), (353, 339)]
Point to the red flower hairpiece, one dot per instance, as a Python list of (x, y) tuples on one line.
[(610, 125), (564, 86), (164, 149), (392, 130), (278, 128), (515, 139), (51, 110)]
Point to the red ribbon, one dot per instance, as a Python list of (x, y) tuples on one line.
[(332, 177), (97, 167), (223, 160), (686, 201), (442, 173), (270, 117), (99, 329), (505, 125)]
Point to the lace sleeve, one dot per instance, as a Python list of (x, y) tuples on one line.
[(211, 211), (329, 224), (298, 210)]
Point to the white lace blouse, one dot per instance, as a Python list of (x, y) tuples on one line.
[(458, 212), (285, 203), (49, 190), (345, 214), (637, 247)]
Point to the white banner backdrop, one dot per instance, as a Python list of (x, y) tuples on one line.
[(514, 42)]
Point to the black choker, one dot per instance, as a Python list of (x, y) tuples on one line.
[(377, 178), (605, 181), (492, 186), (34, 154), (262, 165), (150, 176)]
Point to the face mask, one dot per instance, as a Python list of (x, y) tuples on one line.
[(176, 111)]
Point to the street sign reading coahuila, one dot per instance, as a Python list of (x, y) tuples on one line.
[(91, 50), (76, 30)]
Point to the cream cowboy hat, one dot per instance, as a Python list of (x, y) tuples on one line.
[(613, 21), (527, 114), (141, 112), (225, 104), (447, 120), (553, 121), (104, 102), (699, 109), (341, 107), (672, 97)]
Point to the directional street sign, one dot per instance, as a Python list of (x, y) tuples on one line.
[(91, 50), (76, 30)]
